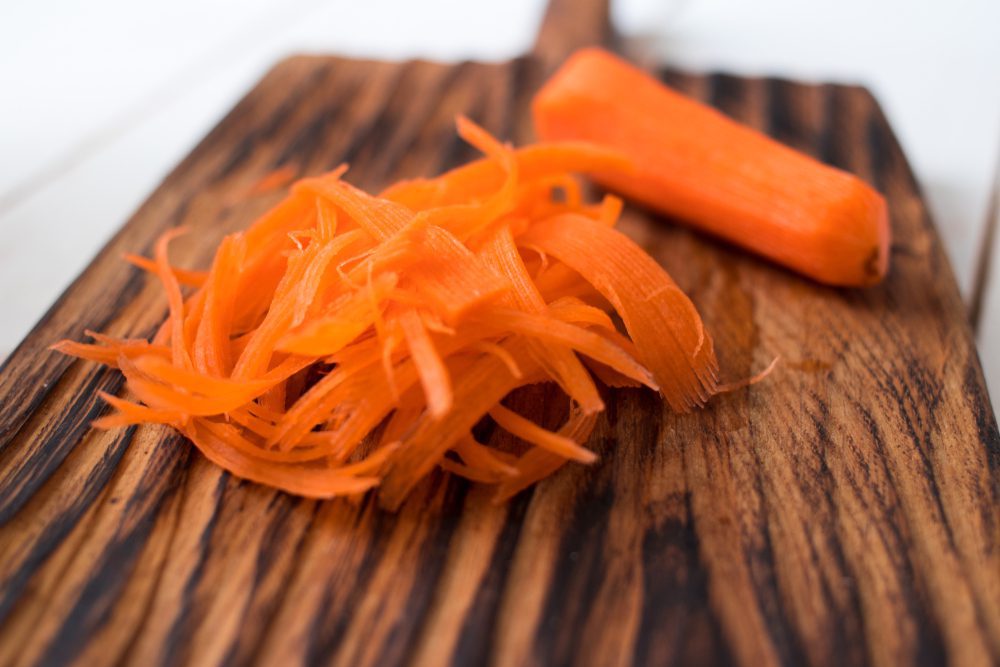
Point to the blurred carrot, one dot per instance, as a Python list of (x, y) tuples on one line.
[(274, 180), (717, 175)]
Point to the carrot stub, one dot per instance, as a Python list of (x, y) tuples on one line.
[(714, 174)]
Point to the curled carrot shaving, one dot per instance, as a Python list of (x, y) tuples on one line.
[(536, 435), (433, 373), (274, 180), (184, 276), (346, 341)]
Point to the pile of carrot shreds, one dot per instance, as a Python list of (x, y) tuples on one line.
[(346, 341)]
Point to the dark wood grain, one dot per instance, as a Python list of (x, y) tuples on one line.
[(985, 257), (843, 512), (570, 24)]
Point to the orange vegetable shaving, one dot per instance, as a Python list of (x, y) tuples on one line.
[(347, 341), (274, 180)]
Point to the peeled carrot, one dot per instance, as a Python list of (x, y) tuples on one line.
[(697, 165), (347, 341)]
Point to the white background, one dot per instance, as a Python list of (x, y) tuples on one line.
[(101, 98)]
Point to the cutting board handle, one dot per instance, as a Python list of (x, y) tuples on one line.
[(571, 24)]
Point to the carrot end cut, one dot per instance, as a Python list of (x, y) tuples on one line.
[(705, 170)]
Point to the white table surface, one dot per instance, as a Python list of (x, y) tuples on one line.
[(102, 98)]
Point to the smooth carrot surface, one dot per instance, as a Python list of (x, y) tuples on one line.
[(347, 341), (697, 165)]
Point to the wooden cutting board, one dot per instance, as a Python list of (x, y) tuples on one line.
[(845, 511)]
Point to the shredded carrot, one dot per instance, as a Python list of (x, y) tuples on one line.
[(184, 276), (719, 176), (346, 341), (274, 180)]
